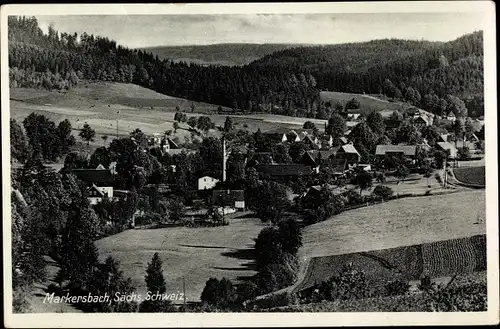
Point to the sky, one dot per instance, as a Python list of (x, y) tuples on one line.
[(137, 31)]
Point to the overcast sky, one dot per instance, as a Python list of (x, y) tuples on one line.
[(147, 30)]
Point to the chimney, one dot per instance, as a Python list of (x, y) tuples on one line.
[(224, 158)]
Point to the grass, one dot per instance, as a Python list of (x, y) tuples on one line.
[(195, 254), (368, 103), (470, 175), (97, 104), (397, 223)]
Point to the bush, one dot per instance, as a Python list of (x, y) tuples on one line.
[(469, 298), (348, 284), (285, 298), (397, 287), (276, 276), (219, 293), (383, 191)]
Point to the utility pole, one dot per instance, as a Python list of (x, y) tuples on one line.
[(117, 112), (184, 291), (223, 159)]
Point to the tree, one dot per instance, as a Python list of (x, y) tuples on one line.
[(363, 180), (456, 105), (463, 153), (43, 136), (204, 124), (155, 282), (458, 129), (228, 124), (308, 125), (139, 137), (64, 132), (272, 202), (352, 104), (100, 156), (221, 294), (19, 147), (104, 139), (280, 153), (469, 128), (376, 123), (382, 191), (401, 172), (192, 122), (336, 126), (87, 133), (290, 236), (267, 247), (75, 160), (407, 133)]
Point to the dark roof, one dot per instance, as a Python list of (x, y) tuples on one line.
[(325, 154), (285, 169), (409, 150), (99, 177), (234, 195)]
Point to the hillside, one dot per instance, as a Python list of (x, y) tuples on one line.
[(392, 67), (437, 77), (229, 54)]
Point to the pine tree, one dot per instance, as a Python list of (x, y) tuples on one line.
[(154, 277)]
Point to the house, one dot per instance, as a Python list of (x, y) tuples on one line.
[(312, 140), (412, 112), (353, 116), (168, 144), (207, 183), (317, 158), (351, 124), (344, 140), (421, 121), (99, 182), (346, 156), (451, 116), (292, 136), (409, 151), (291, 170), (444, 138), (229, 198), (364, 166), (448, 147)]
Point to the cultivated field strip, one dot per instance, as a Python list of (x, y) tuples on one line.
[(436, 259)]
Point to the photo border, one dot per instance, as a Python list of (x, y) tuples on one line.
[(266, 319)]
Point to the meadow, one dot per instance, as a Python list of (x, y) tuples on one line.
[(368, 103), (396, 223), (195, 254), (115, 109), (473, 176)]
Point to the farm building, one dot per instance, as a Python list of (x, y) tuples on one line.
[(408, 151), (451, 116), (422, 121), (346, 155), (316, 158), (99, 182), (448, 147), (207, 183), (290, 170), (229, 198)]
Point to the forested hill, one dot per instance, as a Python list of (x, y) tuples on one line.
[(218, 54), (391, 66), (429, 75)]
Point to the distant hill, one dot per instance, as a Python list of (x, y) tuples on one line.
[(228, 54), (391, 66)]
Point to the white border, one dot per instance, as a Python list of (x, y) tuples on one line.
[(265, 319)]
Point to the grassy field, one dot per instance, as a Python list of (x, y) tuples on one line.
[(195, 254), (368, 103), (97, 104), (471, 175), (397, 223)]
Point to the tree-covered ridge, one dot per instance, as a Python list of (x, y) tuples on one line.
[(432, 68), (218, 54), (38, 59), (286, 82)]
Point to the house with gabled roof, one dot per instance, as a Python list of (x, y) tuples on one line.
[(409, 151), (229, 198), (421, 121), (346, 156), (449, 148), (451, 116), (99, 182)]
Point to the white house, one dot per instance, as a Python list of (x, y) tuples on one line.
[(97, 193), (207, 183)]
